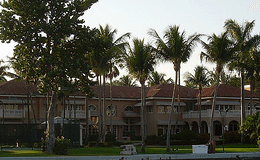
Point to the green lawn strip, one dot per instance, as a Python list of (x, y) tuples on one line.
[(24, 153), (110, 151)]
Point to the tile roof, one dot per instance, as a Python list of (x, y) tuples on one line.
[(225, 91), (165, 90), (14, 87), (162, 90)]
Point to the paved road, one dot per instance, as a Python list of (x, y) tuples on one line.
[(239, 156)]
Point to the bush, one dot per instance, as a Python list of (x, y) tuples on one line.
[(186, 135), (153, 139), (203, 137), (232, 137), (61, 146), (110, 137), (92, 137)]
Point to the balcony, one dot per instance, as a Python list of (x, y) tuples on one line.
[(207, 113), (12, 113), (80, 114)]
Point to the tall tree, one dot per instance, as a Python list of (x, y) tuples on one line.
[(41, 33), (139, 62), (244, 41), (109, 51), (199, 80), (158, 78), (4, 73), (219, 50), (125, 80), (176, 49)]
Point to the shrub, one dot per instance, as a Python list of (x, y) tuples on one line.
[(61, 146), (92, 137), (232, 137), (110, 137), (186, 135), (203, 137)]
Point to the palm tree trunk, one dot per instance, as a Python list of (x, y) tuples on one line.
[(142, 117), (168, 145), (251, 96), (100, 111), (243, 115), (50, 131), (200, 110), (111, 104), (104, 107), (213, 108), (87, 119)]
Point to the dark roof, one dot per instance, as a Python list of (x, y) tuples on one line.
[(162, 90), (225, 91), (165, 90), (14, 87), (119, 91)]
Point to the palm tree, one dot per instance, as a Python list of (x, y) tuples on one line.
[(219, 50), (139, 62), (105, 54), (158, 78), (199, 80), (126, 80), (4, 73), (241, 37), (176, 49)]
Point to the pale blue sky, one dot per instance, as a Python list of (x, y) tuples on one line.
[(137, 16)]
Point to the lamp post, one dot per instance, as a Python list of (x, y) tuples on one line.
[(223, 113)]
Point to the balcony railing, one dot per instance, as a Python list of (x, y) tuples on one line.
[(12, 113), (207, 113), (80, 114)]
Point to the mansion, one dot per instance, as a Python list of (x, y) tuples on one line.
[(22, 104)]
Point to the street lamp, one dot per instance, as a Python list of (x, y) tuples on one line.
[(223, 113)]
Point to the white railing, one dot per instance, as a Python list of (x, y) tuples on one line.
[(12, 113), (207, 113), (80, 114)]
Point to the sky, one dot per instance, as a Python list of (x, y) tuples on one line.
[(137, 16)]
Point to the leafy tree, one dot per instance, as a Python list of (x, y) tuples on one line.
[(158, 78), (199, 80), (125, 80), (176, 49), (251, 127), (244, 41), (46, 33), (219, 50), (139, 62)]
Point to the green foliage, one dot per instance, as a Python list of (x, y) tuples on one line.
[(203, 137), (92, 137), (186, 135), (251, 127), (232, 137), (110, 137), (61, 146)]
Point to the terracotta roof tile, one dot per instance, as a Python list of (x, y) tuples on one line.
[(16, 88), (165, 90)]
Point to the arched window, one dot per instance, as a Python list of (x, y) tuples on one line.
[(129, 108), (233, 126), (92, 107), (111, 110)]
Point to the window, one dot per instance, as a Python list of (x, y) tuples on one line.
[(160, 109), (111, 110), (149, 109), (129, 108), (92, 107)]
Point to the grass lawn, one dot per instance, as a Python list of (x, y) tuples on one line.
[(103, 151)]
